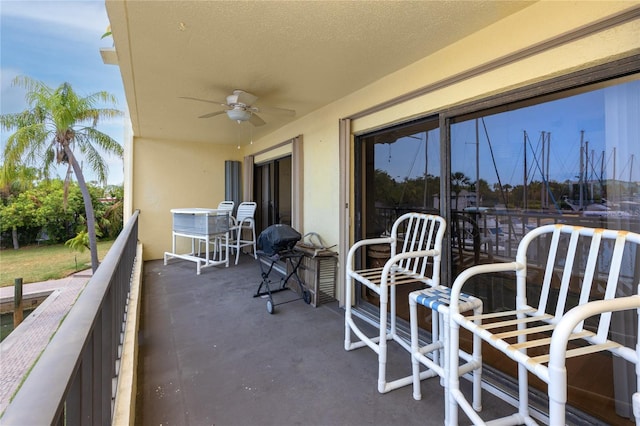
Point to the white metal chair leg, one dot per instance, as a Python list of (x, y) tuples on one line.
[(415, 364), (451, 417), (378, 344), (347, 313), (476, 359)]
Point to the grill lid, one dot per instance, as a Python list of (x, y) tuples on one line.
[(278, 238)]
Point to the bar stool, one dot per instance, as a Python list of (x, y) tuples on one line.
[(438, 299), (415, 247)]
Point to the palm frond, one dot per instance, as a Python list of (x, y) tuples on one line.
[(26, 144), (105, 142), (95, 160)]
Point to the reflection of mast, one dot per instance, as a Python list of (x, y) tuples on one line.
[(524, 192), (615, 184), (603, 185), (543, 203), (477, 166), (588, 187), (581, 179), (495, 166), (548, 164), (425, 195), (540, 165), (546, 150), (614, 163)]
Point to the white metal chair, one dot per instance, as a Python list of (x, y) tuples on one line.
[(591, 269), (636, 407), (220, 242), (224, 207), (415, 250), (244, 224)]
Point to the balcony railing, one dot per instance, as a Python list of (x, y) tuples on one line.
[(74, 381)]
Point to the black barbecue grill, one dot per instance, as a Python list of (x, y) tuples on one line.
[(277, 243)]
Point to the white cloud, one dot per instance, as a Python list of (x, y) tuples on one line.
[(8, 74), (83, 15), (11, 98)]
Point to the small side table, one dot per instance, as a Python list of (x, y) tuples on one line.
[(437, 299)]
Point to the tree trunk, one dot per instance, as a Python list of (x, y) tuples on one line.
[(14, 237), (88, 208)]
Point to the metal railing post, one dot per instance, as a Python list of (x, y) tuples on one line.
[(18, 312)]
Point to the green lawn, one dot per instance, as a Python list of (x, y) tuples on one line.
[(42, 263)]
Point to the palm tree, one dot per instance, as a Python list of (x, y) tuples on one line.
[(57, 122), (15, 178), (459, 181)]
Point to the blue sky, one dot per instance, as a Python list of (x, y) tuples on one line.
[(56, 42)]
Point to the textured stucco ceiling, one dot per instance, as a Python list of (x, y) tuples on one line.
[(298, 55)]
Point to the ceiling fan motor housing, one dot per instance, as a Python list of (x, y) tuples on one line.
[(241, 98)]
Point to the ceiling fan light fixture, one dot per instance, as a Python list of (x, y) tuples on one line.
[(239, 114)]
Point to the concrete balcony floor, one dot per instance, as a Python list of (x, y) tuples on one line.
[(211, 354)]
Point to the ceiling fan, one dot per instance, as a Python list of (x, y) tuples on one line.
[(239, 107)]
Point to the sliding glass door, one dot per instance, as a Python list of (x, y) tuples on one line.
[(272, 192)]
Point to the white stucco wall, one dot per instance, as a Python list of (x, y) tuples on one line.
[(174, 174)]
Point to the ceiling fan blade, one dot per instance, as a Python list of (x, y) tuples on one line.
[(203, 100), (245, 98), (275, 110), (212, 114), (256, 121)]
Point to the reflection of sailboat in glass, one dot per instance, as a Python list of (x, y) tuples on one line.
[(604, 209), (586, 204)]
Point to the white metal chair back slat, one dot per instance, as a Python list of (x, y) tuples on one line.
[(226, 206), (246, 211), (418, 235), (415, 250), (603, 262)]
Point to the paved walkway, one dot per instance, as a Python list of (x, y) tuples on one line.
[(20, 349)]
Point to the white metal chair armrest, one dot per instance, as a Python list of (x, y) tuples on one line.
[(562, 334), (567, 324), (363, 243)]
